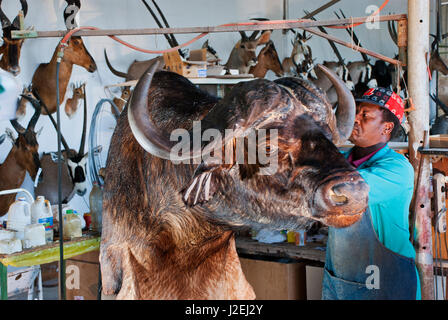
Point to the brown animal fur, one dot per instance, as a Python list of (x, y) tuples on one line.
[(242, 56), (267, 59), (44, 78), (23, 157), (120, 102), (71, 105), (11, 48), (156, 246)]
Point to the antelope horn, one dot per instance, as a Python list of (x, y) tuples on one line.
[(170, 38), (143, 128), (254, 35), (243, 35), (333, 46), (17, 126), (83, 137), (41, 103), (392, 31), (37, 111), (440, 103), (16, 21), (173, 38), (355, 38), (346, 111), (4, 19)]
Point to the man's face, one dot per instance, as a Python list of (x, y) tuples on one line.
[(369, 128)]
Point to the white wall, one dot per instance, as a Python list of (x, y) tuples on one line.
[(118, 14)]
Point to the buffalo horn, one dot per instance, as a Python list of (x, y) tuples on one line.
[(346, 111), (145, 132)]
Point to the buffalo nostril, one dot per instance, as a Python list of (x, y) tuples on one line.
[(337, 195)]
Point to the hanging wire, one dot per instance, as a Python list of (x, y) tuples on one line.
[(436, 286), (441, 265)]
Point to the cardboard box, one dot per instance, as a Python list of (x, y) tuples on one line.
[(87, 267), (188, 68), (438, 141), (274, 280), (314, 276)]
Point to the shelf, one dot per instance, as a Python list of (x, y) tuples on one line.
[(50, 253)]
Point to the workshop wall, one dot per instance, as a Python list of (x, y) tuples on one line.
[(116, 14)]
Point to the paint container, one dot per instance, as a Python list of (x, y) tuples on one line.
[(291, 236), (19, 215), (300, 238)]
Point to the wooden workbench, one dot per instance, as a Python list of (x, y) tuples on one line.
[(45, 254), (312, 253)]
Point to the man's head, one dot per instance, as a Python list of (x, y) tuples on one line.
[(378, 116)]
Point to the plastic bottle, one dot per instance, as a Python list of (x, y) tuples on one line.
[(72, 225), (96, 207), (41, 213), (19, 215)]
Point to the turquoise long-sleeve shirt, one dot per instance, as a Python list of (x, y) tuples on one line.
[(390, 177)]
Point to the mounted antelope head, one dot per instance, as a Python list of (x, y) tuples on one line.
[(22, 158), (436, 63), (120, 102), (211, 56), (71, 105), (21, 107), (300, 62), (243, 55), (10, 48), (75, 161), (267, 60), (44, 78)]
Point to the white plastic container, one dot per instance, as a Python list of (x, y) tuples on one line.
[(34, 235), (41, 213), (19, 215), (7, 234), (9, 246)]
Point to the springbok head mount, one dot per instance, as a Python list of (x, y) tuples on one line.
[(268, 56), (248, 45), (10, 48), (27, 155)]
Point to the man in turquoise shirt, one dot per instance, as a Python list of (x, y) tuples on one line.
[(374, 258)]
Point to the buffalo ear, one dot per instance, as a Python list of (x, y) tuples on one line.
[(264, 37), (201, 187)]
